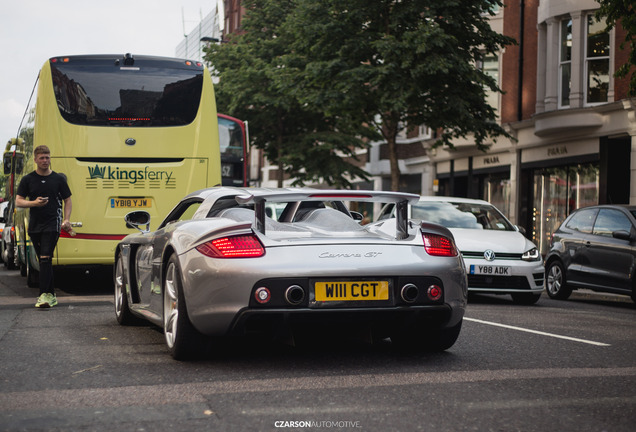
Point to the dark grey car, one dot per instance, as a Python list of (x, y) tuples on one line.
[(594, 248)]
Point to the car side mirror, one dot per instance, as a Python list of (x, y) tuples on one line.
[(622, 235), (137, 218)]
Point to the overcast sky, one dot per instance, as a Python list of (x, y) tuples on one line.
[(32, 31)]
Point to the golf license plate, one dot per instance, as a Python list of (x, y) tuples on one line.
[(490, 270), (351, 290), (130, 202)]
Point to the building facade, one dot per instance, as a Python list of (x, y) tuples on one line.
[(572, 124)]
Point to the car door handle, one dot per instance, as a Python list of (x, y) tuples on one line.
[(588, 244)]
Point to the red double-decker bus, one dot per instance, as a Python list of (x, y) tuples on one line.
[(233, 135)]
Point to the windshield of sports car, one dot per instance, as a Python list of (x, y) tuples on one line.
[(462, 215)]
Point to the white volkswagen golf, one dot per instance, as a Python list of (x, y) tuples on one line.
[(499, 258)]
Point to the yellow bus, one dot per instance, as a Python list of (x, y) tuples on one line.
[(129, 132)]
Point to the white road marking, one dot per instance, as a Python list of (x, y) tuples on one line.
[(538, 332)]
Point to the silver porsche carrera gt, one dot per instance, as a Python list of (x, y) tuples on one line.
[(235, 261)]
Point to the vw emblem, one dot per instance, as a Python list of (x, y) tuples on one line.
[(489, 255), (130, 141)]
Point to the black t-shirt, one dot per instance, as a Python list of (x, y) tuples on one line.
[(53, 186)]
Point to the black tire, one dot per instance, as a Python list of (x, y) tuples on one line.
[(11, 258), (525, 298), (122, 309), (426, 338), (23, 270), (184, 342), (555, 282)]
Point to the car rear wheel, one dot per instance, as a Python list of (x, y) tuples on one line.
[(426, 337), (556, 285), (182, 339), (525, 298), (122, 309)]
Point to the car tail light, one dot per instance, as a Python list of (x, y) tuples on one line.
[(438, 245), (243, 246)]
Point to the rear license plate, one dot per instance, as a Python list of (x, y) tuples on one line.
[(490, 270), (351, 291), (130, 202)]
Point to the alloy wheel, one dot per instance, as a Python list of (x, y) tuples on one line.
[(170, 306), (555, 279)]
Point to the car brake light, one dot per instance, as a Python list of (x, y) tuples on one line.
[(438, 245), (244, 246)]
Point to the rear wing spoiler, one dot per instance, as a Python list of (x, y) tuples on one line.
[(260, 197)]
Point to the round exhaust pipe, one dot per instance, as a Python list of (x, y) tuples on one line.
[(294, 295), (409, 293)]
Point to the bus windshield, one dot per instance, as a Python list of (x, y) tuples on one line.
[(104, 93)]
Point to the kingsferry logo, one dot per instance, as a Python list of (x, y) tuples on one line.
[(96, 172), (116, 173)]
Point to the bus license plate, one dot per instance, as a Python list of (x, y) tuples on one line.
[(490, 270), (130, 202), (351, 290)]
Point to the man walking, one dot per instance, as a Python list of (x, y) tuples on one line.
[(44, 191)]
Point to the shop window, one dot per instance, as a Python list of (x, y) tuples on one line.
[(497, 191), (557, 192)]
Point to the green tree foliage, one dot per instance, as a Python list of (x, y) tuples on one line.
[(614, 11), (300, 138), (314, 77), (389, 63)]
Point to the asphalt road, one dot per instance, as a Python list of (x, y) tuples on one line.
[(555, 366)]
